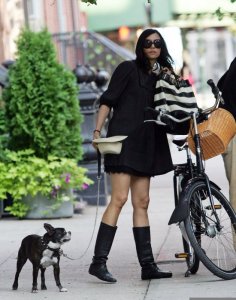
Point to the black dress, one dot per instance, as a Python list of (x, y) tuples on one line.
[(146, 150)]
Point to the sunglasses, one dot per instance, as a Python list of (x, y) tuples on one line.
[(148, 44)]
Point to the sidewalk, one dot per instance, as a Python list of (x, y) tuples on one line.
[(122, 263)]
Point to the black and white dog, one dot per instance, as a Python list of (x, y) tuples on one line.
[(43, 252)]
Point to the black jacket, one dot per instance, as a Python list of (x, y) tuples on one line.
[(146, 149), (227, 85)]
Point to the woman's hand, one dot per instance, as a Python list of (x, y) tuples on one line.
[(171, 72), (96, 135), (167, 70), (103, 113)]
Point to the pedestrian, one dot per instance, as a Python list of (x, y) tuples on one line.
[(186, 73), (145, 153), (226, 85)]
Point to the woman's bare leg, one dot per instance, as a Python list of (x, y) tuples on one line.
[(140, 200), (120, 184)]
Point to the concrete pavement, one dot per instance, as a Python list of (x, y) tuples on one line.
[(122, 263)]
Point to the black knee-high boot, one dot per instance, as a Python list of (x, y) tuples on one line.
[(105, 237), (150, 270)]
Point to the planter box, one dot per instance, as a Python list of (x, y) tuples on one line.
[(42, 208)]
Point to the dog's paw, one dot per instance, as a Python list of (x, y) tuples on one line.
[(34, 290), (63, 290)]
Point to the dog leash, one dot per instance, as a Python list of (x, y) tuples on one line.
[(99, 160)]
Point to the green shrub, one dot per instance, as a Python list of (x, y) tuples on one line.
[(42, 108), (4, 137)]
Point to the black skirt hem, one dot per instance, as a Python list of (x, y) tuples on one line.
[(126, 170)]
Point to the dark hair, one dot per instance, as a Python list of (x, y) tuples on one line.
[(165, 60)]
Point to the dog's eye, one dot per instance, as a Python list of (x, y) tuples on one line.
[(62, 233)]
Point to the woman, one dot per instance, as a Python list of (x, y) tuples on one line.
[(145, 152)]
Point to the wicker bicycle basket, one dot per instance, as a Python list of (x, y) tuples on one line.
[(215, 133)]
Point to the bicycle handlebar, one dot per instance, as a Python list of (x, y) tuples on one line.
[(162, 113), (214, 88), (217, 95)]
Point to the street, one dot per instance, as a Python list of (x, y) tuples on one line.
[(122, 262)]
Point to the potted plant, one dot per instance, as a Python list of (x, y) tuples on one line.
[(28, 178), (43, 122)]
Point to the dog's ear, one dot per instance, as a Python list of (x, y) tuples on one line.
[(49, 228)]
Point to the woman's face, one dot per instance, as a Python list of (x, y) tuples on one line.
[(152, 47)]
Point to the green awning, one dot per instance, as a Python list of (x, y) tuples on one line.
[(111, 14)]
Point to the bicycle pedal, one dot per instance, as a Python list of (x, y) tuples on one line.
[(216, 206), (181, 255)]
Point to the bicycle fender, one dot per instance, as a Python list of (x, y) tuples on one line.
[(192, 180), (180, 212)]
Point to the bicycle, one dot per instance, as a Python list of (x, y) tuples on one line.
[(205, 217)]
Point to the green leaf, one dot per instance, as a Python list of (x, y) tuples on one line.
[(90, 1)]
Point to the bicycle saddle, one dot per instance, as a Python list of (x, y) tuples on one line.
[(179, 142)]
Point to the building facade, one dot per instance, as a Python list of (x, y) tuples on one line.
[(11, 22), (58, 16)]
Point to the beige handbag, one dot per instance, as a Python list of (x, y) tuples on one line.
[(110, 145)]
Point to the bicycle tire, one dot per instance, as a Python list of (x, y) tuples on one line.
[(192, 260), (216, 248)]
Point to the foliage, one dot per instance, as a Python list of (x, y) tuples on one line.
[(42, 108), (90, 1), (23, 174), (3, 128), (220, 14)]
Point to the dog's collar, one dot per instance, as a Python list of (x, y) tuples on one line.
[(56, 252)]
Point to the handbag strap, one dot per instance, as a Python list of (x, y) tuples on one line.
[(174, 79)]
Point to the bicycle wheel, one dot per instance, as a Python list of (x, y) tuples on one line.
[(216, 246), (192, 259)]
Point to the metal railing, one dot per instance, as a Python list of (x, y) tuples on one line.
[(89, 48)]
